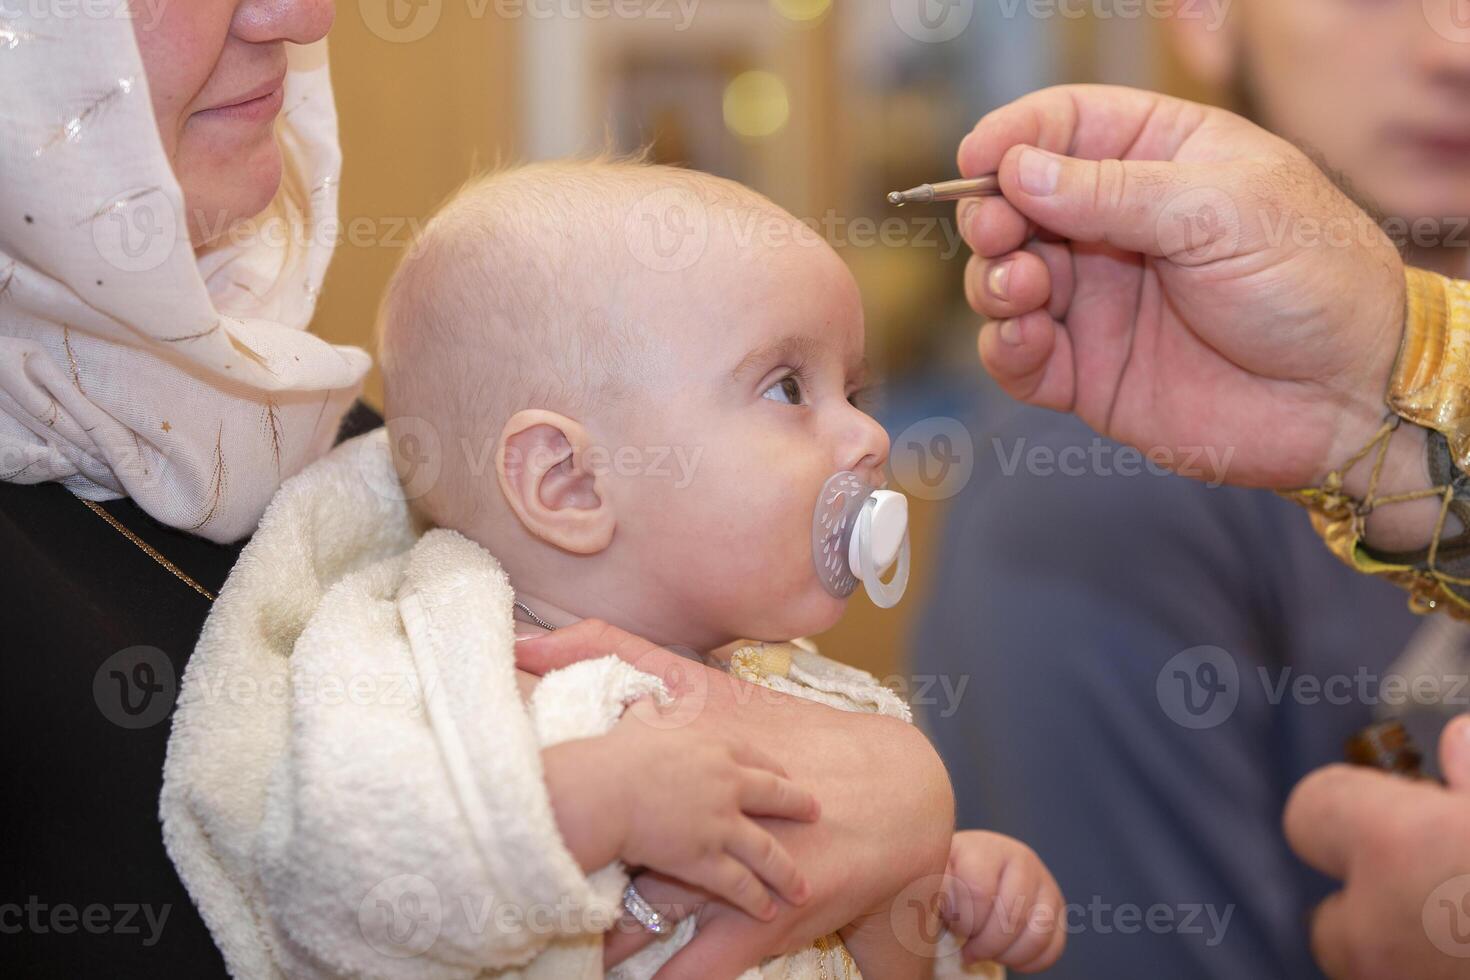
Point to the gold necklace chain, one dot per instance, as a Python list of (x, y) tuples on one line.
[(148, 549)]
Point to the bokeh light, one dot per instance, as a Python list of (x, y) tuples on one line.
[(756, 105), (802, 11)]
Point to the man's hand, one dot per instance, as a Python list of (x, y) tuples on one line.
[(887, 810), (1402, 850), (1184, 282)]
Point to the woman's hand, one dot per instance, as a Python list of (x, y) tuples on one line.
[(1185, 282), (742, 941), (887, 810), (884, 943)]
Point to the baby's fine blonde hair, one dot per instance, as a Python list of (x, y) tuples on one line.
[(515, 296)]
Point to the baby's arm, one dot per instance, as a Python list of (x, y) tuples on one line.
[(999, 901), (880, 952), (1002, 903), (681, 804)]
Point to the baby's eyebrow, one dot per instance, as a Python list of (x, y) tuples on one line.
[(797, 347)]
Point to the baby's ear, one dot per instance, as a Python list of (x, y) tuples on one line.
[(543, 464)]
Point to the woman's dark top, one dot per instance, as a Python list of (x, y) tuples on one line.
[(94, 641)]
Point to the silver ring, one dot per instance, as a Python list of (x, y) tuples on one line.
[(648, 917)]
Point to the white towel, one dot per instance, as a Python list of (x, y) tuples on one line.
[(353, 785)]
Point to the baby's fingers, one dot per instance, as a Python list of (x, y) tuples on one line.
[(1004, 919), (765, 795), (724, 877), (753, 758), (1045, 937), (755, 847)]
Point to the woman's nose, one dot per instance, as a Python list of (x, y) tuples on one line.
[(1444, 51), (297, 21)]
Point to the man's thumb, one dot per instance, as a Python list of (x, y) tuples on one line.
[(1454, 754), (1168, 210)]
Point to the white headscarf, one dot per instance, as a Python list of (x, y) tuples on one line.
[(129, 366)]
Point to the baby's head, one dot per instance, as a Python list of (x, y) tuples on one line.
[(636, 424)]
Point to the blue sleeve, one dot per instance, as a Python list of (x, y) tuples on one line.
[(1073, 614)]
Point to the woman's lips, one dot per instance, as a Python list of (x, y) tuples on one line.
[(252, 108)]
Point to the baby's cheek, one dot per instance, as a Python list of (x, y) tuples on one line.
[(750, 522), (774, 581)]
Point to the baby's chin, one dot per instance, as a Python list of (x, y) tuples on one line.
[(815, 611)]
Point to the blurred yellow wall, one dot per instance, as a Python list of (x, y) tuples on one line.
[(417, 119)]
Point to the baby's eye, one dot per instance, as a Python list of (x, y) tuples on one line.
[(787, 390)]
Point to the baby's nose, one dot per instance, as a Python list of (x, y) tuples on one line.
[(866, 454)]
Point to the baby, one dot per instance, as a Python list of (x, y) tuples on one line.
[(629, 384)]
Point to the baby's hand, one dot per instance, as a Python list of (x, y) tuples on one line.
[(687, 804), (1002, 902)]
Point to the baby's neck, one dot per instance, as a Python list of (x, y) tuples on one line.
[(556, 615)]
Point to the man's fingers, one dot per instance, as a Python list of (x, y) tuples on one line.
[(1096, 164), (1329, 810), (1061, 270), (1096, 122), (1030, 358), (1008, 286), (1330, 935), (992, 226), (1145, 207), (1454, 754)]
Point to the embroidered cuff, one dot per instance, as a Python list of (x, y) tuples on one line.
[(1430, 385)]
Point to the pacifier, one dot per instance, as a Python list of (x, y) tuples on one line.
[(857, 533)]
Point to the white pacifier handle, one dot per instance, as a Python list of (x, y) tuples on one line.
[(890, 526), (883, 525)]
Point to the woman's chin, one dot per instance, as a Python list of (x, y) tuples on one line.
[(221, 199)]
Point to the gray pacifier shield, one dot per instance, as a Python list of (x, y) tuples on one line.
[(833, 526)]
